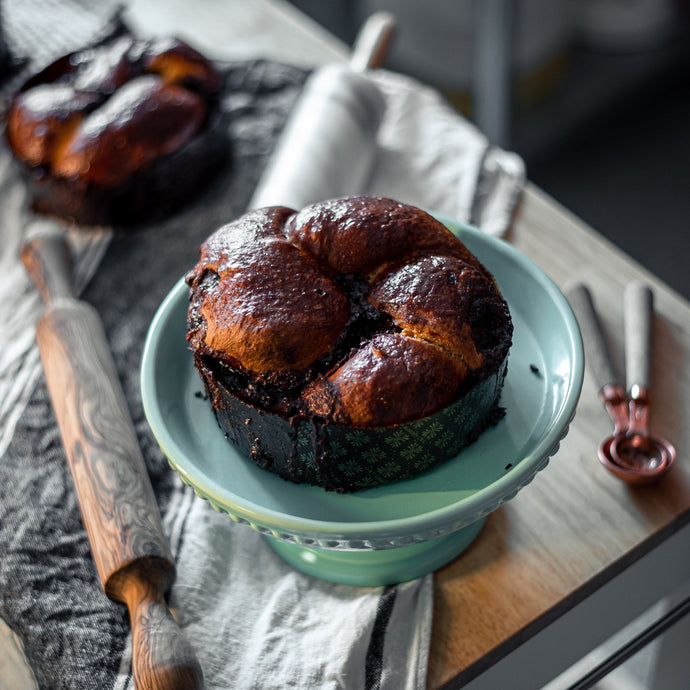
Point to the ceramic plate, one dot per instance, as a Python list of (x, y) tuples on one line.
[(545, 371)]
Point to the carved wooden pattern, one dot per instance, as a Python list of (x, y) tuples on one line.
[(117, 501), (118, 506)]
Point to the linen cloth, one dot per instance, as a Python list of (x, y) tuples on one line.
[(253, 620)]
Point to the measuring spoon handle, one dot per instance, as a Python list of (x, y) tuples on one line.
[(596, 345), (638, 307)]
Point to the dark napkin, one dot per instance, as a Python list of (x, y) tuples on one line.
[(50, 594)]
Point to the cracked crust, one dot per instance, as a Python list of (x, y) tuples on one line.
[(361, 311), (120, 132)]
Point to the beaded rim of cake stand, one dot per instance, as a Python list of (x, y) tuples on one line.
[(331, 542)]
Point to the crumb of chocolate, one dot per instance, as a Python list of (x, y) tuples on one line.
[(495, 416), (508, 466), (535, 370)]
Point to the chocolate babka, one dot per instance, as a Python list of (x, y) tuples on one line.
[(119, 133), (327, 336)]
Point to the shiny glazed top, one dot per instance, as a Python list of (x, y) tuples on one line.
[(386, 308), (101, 114)]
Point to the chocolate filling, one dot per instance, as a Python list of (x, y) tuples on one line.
[(279, 391)]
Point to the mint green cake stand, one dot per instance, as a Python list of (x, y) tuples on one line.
[(403, 530)]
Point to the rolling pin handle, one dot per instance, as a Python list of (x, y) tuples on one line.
[(372, 42), (162, 658), (46, 258)]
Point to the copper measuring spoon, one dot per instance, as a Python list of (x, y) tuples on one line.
[(637, 448), (631, 453)]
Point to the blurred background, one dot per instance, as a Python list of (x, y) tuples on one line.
[(593, 94)]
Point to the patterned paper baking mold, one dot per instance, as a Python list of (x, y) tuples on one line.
[(330, 541), (305, 450)]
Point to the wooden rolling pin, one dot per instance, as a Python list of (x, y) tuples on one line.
[(118, 506)]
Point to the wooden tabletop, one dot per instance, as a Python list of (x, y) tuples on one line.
[(576, 526)]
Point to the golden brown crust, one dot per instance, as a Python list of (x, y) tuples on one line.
[(382, 311), (178, 63), (363, 234), (43, 119), (144, 120), (269, 307), (103, 113), (432, 298), (390, 379)]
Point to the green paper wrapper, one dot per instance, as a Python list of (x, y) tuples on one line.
[(344, 459)]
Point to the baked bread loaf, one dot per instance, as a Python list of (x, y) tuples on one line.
[(355, 317), (119, 133)]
